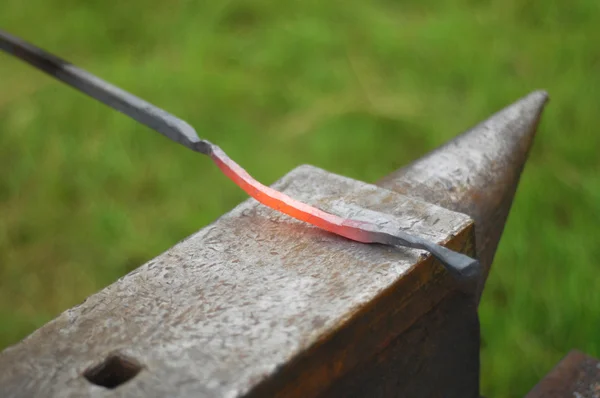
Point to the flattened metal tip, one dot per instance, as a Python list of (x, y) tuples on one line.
[(478, 172)]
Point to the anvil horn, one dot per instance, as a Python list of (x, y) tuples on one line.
[(478, 172)]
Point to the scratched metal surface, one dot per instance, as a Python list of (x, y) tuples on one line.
[(227, 307)]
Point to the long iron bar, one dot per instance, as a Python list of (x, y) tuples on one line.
[(464, 268)]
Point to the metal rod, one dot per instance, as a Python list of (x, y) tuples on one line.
[(464, 268), (124, 102)]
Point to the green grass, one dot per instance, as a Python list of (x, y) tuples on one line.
[(358, 88)]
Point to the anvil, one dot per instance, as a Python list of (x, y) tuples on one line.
[(258, 304)]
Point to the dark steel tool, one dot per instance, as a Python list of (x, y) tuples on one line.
[(380, 230)]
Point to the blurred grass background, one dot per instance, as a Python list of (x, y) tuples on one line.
[(358, 88)]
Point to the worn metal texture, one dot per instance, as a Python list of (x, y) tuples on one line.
[(477, 173), (255, 304), (577, 376)]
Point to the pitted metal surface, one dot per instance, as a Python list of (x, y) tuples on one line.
[(231, 305)]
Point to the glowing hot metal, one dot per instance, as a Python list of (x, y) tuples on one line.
[(380, 230)]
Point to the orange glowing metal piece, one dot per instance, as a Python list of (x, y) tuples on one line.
[(464, 268), (279, 201)]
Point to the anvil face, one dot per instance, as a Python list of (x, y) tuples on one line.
[(248, 294)]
